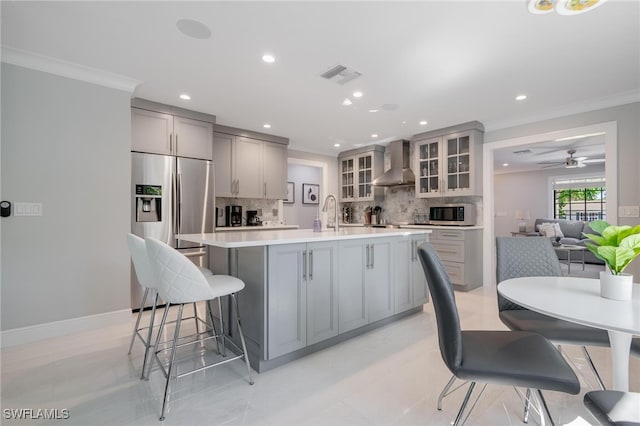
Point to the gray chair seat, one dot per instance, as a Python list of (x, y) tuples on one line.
[(614, 407), (554, 329), (515, 359)]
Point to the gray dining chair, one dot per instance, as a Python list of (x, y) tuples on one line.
[(614, 407), (535, 257), (514, 358)]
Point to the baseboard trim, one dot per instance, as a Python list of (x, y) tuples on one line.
[(33, 333)]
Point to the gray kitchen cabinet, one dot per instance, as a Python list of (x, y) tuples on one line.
[(357, 170), (302, 297), (167, 134), (448, 162), (459, 250), (247, 167), (409, 278), (366, 286)]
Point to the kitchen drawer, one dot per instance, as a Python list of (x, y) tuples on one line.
[(452, 251), (449, 234), (455, 271)]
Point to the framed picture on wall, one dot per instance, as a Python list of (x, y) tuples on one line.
[(310, 193), (291, 193)]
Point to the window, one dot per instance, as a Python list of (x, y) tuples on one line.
[(580, 198)]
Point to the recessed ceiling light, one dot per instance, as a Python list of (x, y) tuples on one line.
[(375, 135), (266, 126), (373, 110), (337, 145), (268, 58), (521, 97), (185, 97), (357, 94), (194, 29), (505, 164), (347, 102), (423, 123), (404, 122)]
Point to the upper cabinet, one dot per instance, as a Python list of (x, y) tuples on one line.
[(167, 130), (248, 166), (448, 162), (357, 169)]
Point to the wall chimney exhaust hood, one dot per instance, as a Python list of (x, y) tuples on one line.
[(400, 173)]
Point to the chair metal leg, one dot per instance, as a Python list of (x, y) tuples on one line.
[(244, 346), (149, 334), (172, 359), (159, 335), (213, 325), (135, 327), (444, 391), (464, 404), (546, 409), (593, 368), (195, 317), (527, 406), (224, 350)]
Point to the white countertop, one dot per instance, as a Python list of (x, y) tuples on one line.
[(410, 226), (254, 228), (273, 237)]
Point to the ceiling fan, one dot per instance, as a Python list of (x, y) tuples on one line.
[(571, 162)]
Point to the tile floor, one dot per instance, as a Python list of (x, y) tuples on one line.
[(390, 376)]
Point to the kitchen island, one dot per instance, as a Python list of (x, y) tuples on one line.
[(309, 290)]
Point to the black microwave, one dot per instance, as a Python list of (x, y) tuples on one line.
[(453, 214)]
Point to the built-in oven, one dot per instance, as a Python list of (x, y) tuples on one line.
[(453, 214)]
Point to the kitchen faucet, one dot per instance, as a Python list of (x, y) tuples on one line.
[(335, 204)]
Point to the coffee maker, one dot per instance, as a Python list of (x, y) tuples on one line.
[(253, 219), (233, 215)]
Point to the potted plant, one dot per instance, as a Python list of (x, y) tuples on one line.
[(617, 246)]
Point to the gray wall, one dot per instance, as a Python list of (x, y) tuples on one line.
[(628, 119), (298, 213), (65, 144), (527, 191)]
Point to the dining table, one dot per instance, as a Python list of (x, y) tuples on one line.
[(578, 300)]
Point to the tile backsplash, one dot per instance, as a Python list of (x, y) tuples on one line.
[(399, 205)]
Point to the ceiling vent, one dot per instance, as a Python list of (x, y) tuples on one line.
[(523, 152), (340, 74)]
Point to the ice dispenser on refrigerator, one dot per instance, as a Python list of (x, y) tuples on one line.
[(148, 203)]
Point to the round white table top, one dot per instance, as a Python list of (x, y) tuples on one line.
[(575, 299)]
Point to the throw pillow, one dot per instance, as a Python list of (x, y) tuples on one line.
[(550, 229)]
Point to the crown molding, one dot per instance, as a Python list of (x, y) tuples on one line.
[(25, 59)]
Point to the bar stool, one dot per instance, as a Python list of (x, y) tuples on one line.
[(147, 280), (179, 283), (614, 407)]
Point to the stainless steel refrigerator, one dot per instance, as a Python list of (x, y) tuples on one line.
[(171, 195)]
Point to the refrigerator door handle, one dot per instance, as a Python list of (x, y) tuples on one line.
[(179, 201), (174, 224)]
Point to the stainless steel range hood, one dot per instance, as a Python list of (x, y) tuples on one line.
[(400, 173)]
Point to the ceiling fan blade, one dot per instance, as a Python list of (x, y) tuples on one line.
[(551, 166), (580, 158), (551, 162), (594, 160)]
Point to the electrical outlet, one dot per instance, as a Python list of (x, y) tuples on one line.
[(28, 209), (629, 211)]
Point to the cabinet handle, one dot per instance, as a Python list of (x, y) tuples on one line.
[(367, 256), (237, 186), (176, 143), (304, 265), (170, 143), (372, 256), (310, 265), (265, 189)]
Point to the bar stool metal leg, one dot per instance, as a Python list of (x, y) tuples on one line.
[(172, 358), (224, 350), (195, 317), (155, 346), (527, 406), (135, 327), (149, 334), (444, 392), (244, 346)]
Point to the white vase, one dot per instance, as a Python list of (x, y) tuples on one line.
[(616, 287)]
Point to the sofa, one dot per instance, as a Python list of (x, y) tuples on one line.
[(572, 233)]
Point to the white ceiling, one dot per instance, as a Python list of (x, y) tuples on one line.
[(445, 62)]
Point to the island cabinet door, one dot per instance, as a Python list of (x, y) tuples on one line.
[(353, 310), (322, 291), (286, 299), (418, 278), (402, 279), (379, 278)]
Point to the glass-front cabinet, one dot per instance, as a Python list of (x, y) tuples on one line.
[(449, 164), (358, 169)]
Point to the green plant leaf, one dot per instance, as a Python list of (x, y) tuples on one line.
[(599, 225), (631, 242), (612, 234), (596, 239), (594, 249), (617, 258)]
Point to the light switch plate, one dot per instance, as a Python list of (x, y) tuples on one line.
[(27, 209), (629, 211)]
